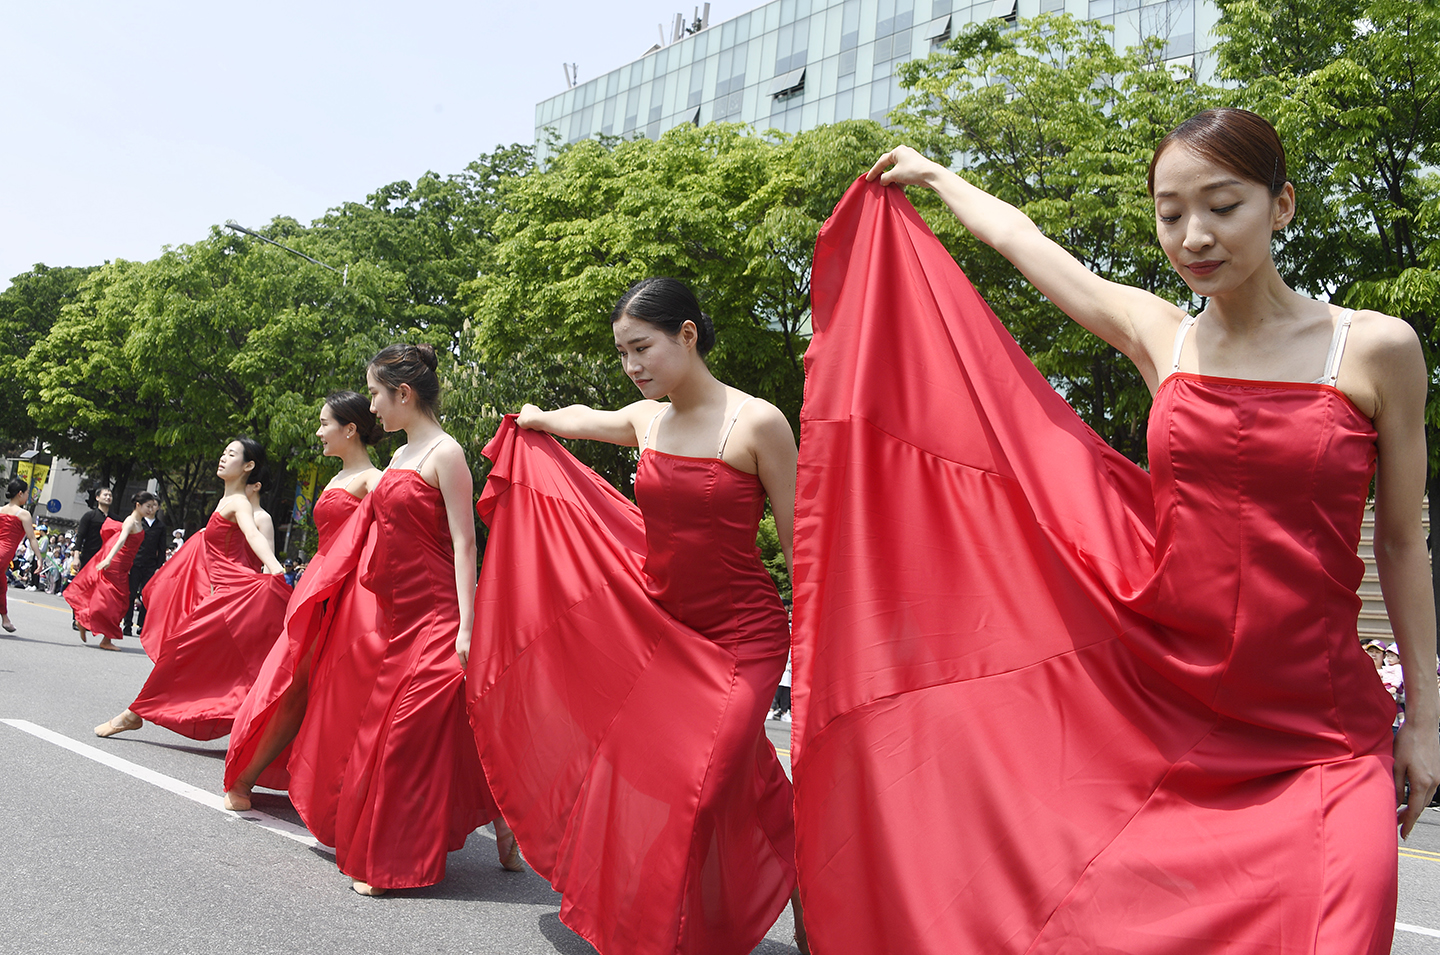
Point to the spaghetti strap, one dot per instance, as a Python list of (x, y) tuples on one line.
[(424, 457), (1337, 348), (734, 418), (351, 483), (1180, 334), (645, 441)]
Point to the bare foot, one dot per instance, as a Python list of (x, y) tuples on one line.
[(365, 888), (84, 634), (5, 622), (107, 644), (238, 799), (123, 723)]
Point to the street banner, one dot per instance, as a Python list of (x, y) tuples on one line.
[(304, 494), (35, 474)]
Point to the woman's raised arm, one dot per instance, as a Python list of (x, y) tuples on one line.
[(583, 421), (1126, 317)]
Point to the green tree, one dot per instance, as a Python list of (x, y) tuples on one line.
[(429, 239), (29, 308), (82, 392), (1354, 88), (1050, 117), (732, 213)]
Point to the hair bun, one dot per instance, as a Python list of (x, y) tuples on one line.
[(706, 327), (427, 355)]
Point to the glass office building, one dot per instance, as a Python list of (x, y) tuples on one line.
[(796, 64)]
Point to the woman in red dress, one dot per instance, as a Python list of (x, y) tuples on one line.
[(205, 666), (100, 593), (625, 666), (391, 719), (275, 707), (1099, 709), (15, 526)]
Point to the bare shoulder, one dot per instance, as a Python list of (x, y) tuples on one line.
[(1380, 336), (1387, 351), (448, 454), (1383, 369), (640, 413), (765, 420)]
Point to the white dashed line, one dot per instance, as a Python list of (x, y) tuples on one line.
[(264, 820)]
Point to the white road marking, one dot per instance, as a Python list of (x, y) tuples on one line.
[(1417, 929), (264, 820)]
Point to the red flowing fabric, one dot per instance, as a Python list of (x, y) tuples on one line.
[(204, 668), (12, 532), (385, 768), (175, 590), (1046, 702), (619, 681), (350, 614), (101, 597)]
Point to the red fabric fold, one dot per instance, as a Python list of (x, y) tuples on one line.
[(205, 666), (101, 597), (332, 619), (12, 532), (625, 748), (1030, 679), (384, 767)]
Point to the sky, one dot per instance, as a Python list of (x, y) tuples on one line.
[(127, 127)]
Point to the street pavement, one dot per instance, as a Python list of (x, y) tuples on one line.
[(117, 845)]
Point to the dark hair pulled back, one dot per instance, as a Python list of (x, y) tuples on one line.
[(142, 497), (667, 304), (251, 450), (413, 365), (15, 486), (348, 407), (1236, 139)]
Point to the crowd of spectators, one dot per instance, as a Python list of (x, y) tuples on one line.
[(51, 569)]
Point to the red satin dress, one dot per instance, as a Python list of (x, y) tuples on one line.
[(175, 590), (385, 767), (101, 597), (12, 532), (348, 615), (206, 664), (620, 677), (1046, 702)]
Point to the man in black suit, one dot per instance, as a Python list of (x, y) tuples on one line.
[(147, 560), (87, 532)]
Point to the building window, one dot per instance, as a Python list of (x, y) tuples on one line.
[(850, 25), (790, 44), (895, 15), (788, 85)]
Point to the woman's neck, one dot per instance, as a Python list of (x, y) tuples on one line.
[(1261, 301), (235, 486), (423, 431), (354, 459), (699, 388)]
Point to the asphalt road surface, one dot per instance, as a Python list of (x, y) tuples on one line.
[(120, 846)]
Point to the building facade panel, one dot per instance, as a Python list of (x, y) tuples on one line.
[(795, 64)]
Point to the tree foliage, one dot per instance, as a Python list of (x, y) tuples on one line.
[(730, 212), (1051, 118), (1354, 88), (29, 308)]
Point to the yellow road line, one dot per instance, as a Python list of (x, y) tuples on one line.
[(65, 609), (1425, 854)]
